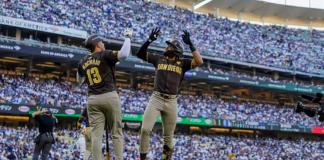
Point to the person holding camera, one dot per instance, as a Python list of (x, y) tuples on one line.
[(45, 139)]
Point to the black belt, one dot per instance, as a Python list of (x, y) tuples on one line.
[(166, 96)]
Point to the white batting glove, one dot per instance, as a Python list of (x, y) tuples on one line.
[(128, 33)]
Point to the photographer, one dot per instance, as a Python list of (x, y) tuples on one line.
[(45, 139)]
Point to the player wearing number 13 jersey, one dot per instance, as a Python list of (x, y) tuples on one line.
[(98, 71)]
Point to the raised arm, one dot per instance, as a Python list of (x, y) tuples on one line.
[(124, 52), (197, 58), (37, 112), (79, 77), (56, 120), (142, 52)]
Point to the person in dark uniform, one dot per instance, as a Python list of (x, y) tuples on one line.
[(45, 139), (104, 108), (169, 72)]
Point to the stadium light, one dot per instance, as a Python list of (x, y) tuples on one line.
[(14, 118), (242, 131), (219, 130), (9, 61), (15, 59), (201, 4)]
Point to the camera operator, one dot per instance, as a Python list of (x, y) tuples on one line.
[(45, 139)]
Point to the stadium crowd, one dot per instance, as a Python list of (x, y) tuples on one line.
[(34, 91), (17, 143), (276, 46), (56, 93)]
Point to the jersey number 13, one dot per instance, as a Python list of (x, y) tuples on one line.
[(93, 76)]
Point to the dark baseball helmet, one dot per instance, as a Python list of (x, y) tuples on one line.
[(177, 45), (91, 42)]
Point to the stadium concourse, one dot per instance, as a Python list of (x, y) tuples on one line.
[(14, 142)]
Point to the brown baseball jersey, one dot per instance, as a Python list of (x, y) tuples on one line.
[(99, 71), (169, 73)]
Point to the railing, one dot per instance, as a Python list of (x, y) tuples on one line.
[(35, 43)]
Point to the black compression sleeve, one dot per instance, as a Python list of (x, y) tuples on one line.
[(142, 52)]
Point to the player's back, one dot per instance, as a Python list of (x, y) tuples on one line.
[(99, 71)]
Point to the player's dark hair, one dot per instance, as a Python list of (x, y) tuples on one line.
[(91, 47), (91, 42)]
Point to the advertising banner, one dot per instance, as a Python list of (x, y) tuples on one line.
[(318, 130), (15, 22), (180, 120), (15, 109), (262, 126), (263, 84), (17, 49)]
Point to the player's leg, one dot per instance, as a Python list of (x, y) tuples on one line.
[(114, 122), (97, 124), (46, 150), (151, 113), (37, 151), (39, 143), (169, 117)]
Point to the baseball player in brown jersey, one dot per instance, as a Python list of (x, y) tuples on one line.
[(169, 72), (98, 71)]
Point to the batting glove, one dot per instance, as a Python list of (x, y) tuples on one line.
[(128, 33), (154, 34), (186, 39)]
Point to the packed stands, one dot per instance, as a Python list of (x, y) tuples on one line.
[(56, 93), (276, 46)]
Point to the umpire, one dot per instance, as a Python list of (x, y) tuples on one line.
[(169, 72), (45, 139), (98, 71)]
